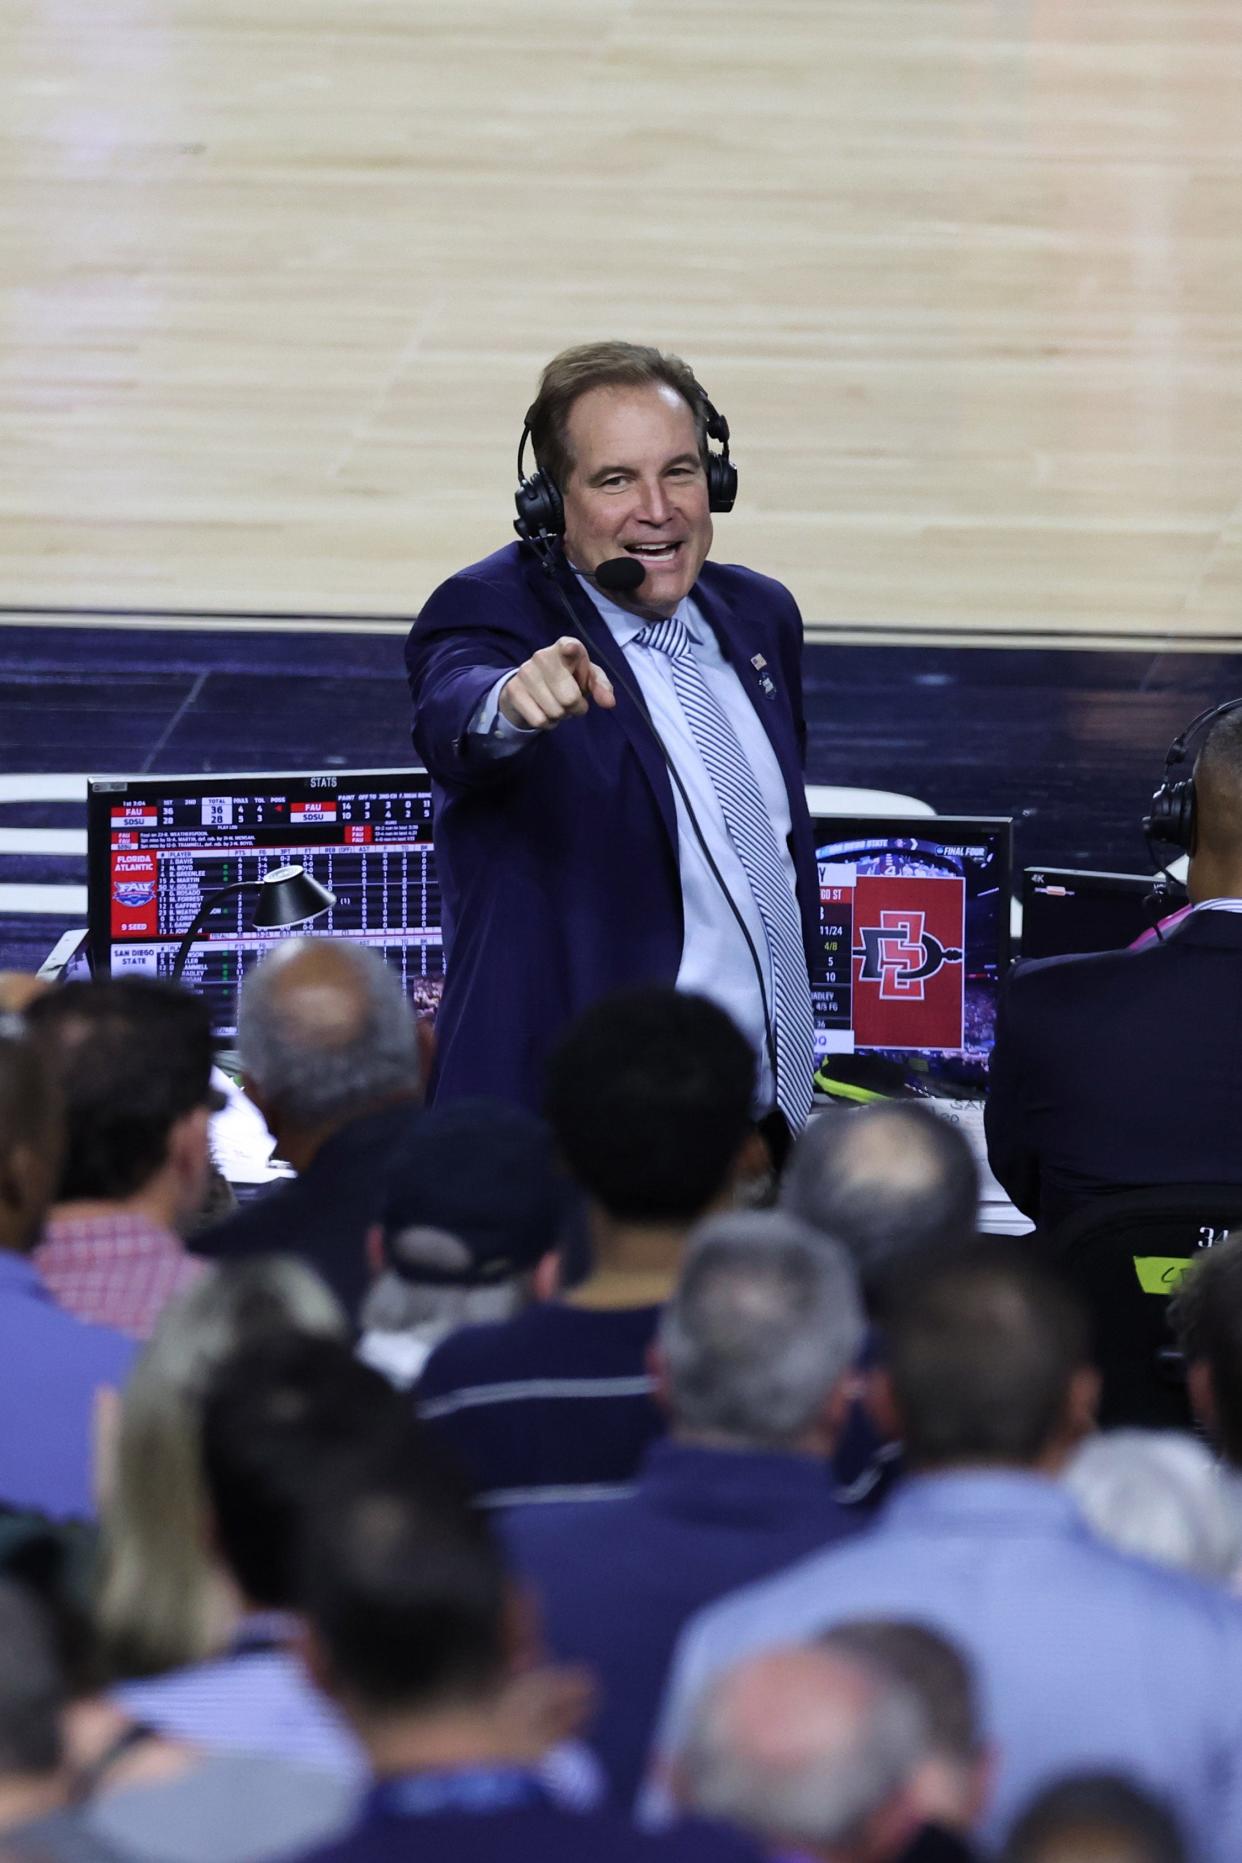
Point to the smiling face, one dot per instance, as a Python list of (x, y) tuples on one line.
[(637, 487)]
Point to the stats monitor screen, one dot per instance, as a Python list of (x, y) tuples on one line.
[(1064, 910), (157, 846), (914, 913)]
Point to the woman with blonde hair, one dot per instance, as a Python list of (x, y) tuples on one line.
[(162, 1602)]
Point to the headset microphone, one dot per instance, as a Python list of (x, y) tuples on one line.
[(620, 575)]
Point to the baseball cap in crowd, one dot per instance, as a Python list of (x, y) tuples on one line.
[(483, 1174)]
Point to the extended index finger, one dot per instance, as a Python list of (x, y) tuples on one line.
[(601, 686), (575, 658), (591, 678)]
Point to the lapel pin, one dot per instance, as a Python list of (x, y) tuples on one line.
[(765, 679)]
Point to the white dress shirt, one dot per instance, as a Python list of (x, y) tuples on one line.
[(714, 959)]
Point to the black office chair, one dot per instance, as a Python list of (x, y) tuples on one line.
[(1127, 1254)]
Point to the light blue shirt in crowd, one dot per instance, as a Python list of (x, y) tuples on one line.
[(714, 959), (260, 1700), (52, 1369), (1086, 1659)]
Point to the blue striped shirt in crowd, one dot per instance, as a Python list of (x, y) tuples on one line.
[(553, 1404)]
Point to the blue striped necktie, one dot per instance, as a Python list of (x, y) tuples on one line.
[(750, 830)]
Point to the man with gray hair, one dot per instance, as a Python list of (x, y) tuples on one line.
[(330, 1056), (954, 1779), (753, 1361), (812, 1751), (1162, 1496)]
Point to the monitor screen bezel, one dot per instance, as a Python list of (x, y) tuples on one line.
[(1104, 884)]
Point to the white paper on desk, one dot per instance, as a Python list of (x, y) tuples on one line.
[(996, 1213), (240, 1141)]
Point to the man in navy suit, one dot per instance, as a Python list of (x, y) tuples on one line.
[(571, 861), (1122, 1069)]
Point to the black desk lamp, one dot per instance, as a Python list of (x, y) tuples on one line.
[(287, 896)]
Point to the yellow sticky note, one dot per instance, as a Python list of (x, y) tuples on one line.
[(1160, 1274)]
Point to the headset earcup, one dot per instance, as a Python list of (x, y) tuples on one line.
[(721, 483), (1172, 817), (540, 508)]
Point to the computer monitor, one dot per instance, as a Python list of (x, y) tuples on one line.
[(914, 913), (156, 846), (1066, 911)]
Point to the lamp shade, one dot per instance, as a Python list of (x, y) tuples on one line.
[(289, 896)]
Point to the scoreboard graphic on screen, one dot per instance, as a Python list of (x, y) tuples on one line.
[(158, 847)]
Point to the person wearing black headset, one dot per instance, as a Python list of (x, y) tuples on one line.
[(605, 814), (1122, 1070)]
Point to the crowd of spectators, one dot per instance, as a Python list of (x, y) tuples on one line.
[(504, 1487)]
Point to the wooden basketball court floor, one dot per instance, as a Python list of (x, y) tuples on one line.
[(278, 281)]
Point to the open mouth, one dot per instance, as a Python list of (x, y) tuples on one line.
[(654, 552)]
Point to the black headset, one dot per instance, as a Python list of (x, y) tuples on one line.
[(1172, 817), (541, 508)]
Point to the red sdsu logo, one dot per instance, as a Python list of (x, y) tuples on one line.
[(909, 975), (899, 955)]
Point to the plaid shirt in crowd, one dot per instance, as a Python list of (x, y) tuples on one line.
[(119, 1269)]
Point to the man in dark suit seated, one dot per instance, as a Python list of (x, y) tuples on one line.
[(1122, 1069)]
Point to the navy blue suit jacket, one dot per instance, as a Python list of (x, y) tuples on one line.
[(558, 864), (323, 1214), (618, 1579), (1120, 1070)]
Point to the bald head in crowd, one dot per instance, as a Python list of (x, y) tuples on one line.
[(953, 1781), (1216, 857), (809, 1749), (887, 1181), (325, 1034)]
